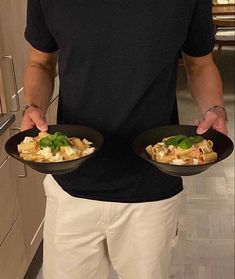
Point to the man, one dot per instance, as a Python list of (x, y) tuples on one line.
[(117, 67)]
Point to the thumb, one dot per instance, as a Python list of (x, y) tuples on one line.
[(40, 123), (34, 117), (206, 123)]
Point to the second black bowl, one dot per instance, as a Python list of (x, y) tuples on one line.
[(59, 167), (223, 146)]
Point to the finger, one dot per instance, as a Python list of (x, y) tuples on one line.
[(206, 123), (34, 118), (41, 125)]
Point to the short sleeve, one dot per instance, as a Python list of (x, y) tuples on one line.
[(200, 37), (37, 32)]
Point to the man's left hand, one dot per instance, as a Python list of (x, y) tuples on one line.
[(215, 120)]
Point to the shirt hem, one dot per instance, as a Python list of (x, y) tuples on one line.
[(161, 196), (199, 53)]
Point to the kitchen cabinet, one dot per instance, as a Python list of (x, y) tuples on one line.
[(22, 198), (9, 205), (13, 261), (22, 206)]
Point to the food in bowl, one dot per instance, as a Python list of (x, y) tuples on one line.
[(183, 150), (53, 148)]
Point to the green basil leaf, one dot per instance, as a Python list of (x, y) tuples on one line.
[(196, 139), (171, 141), (185, 143)]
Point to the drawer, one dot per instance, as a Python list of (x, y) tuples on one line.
[(13, 262), (32, 202), (9, 207)]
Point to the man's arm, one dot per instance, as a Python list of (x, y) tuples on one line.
[(38, 83), (206, 89)]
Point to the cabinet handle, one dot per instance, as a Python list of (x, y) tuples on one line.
[(5, 121), (13, 75), (4, 162), (25, 173)]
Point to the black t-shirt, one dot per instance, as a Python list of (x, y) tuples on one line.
[(117, 70)]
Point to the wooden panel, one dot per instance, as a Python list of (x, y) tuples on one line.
[(9, 208), (13, 262)]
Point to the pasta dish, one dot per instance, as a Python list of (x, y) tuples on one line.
[(183, 150), (53, 148)]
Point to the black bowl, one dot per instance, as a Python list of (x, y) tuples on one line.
[(59, 167), (222, 145)]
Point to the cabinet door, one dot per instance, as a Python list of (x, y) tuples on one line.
[(9, 207), (12, 42), (13, 262), (32, 207)]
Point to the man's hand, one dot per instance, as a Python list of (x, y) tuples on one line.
[(33, 117), (215, 120), (38, 84)]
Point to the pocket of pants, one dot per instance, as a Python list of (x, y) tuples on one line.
[(52, 188), (46, 184), (176, 236), (54, 191)]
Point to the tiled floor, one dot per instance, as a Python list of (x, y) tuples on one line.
[(205, 248)]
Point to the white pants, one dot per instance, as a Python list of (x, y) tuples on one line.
[(82, 236)]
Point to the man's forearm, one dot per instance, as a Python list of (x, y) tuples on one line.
[(206, 86), (206, 89), (38, 85)]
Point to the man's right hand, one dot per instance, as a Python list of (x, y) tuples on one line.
[(34, 117)]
